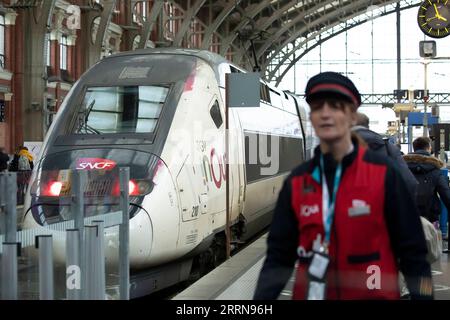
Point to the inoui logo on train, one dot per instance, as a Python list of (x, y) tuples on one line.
[(210, 172)]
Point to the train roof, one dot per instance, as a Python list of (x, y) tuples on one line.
[(213, 59), (210, 57)]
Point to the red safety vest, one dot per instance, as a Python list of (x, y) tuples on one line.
[(359, 249)]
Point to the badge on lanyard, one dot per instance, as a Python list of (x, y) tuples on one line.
[(316, 290), (317, 271), (318, 266)]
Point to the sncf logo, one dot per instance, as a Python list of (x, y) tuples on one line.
[(306, 211), (95, 164)]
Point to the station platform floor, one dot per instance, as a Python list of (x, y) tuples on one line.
[(236, 278)]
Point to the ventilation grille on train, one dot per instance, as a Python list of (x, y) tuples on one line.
[(192, 238)]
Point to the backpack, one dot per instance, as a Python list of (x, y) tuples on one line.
[(14, 164), (426, 202), (24, 164)]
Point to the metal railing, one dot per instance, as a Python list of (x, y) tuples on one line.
[(84, 275)]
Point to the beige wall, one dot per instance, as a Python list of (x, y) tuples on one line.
[(3, 130)]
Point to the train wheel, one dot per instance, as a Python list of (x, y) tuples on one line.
[(210, 259)]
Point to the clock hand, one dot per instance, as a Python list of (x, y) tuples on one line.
[(432, 18), (438, 15), (435, 9)]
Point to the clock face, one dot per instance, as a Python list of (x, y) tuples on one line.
[(434, 18)]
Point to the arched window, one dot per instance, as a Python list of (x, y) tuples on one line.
[(2, 41), (63, 53), (47, 50)]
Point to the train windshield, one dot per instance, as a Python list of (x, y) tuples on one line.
[(121, 109)]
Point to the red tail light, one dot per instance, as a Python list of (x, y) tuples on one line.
[(135, 188), (54, 188)]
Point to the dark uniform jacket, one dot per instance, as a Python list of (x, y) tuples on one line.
[(14, 164), (400, 238), (427, 171), (376, 142), (4, 158)]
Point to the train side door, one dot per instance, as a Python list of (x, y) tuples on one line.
[(234, 156), (189, 199), (237, 147)]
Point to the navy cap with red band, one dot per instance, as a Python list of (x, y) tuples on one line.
[(332, 84)]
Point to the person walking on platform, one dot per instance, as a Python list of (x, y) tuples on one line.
[(24, 173), (432, 183), (14, 163), (382, 146), (345, 215), (28, 157), (22, 163)]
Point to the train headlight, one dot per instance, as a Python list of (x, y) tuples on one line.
[(144, 187), (140, 187), (133, 188)]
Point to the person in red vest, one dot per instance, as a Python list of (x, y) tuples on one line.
[(346, 216)]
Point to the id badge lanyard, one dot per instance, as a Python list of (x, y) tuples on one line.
[(328, 204), (319, 264)]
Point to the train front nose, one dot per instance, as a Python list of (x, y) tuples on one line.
[(50, 199)]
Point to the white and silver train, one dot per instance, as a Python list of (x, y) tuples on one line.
[(161, 112)]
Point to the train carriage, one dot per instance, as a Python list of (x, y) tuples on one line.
[(161, 112)]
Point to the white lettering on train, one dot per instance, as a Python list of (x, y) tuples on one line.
[(95, 165)]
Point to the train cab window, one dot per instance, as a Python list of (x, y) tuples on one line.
[(215, 114), (127, 109), (275, 98), (235, 70), (264, 93)]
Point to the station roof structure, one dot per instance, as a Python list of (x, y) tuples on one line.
[(281, 29), (49, 44)]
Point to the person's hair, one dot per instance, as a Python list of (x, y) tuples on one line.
[(362, 120), (421, 143)]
